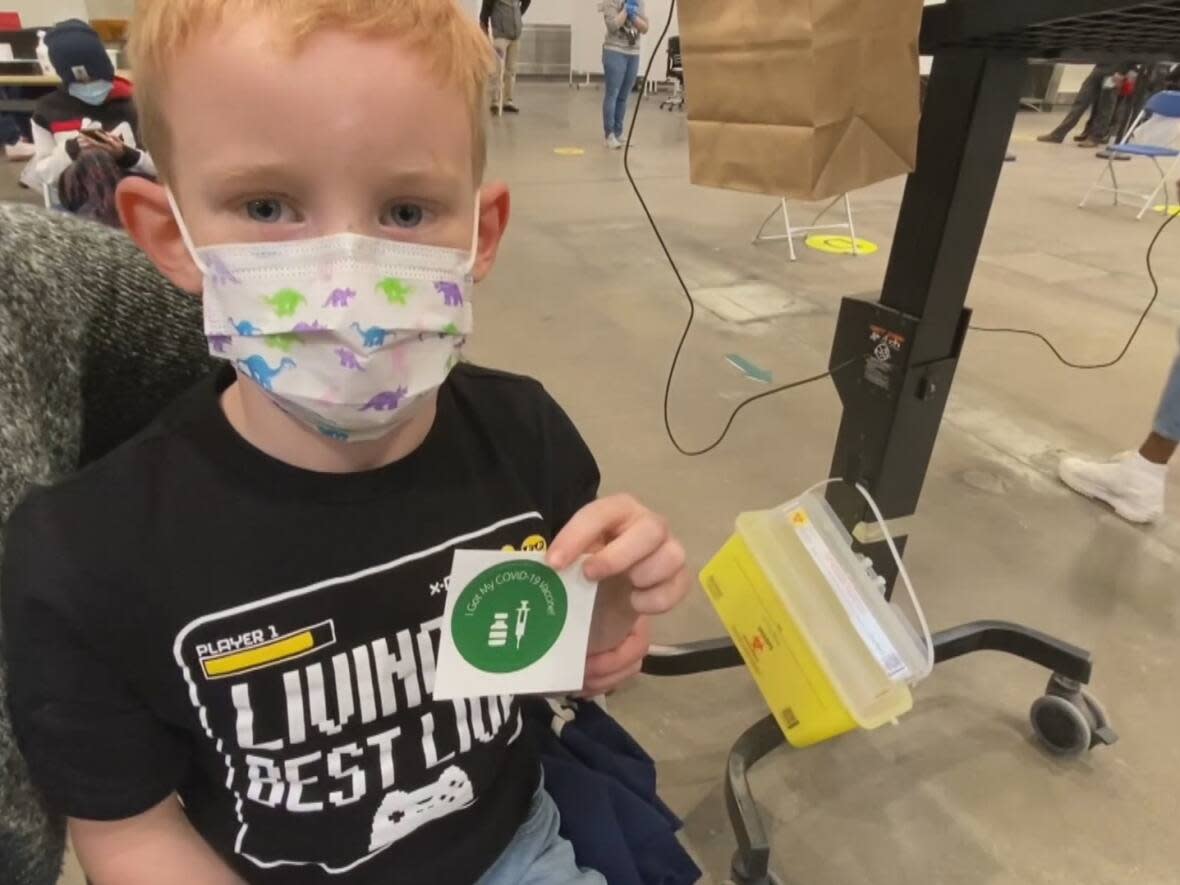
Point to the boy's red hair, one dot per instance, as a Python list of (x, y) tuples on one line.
[(457, 51)]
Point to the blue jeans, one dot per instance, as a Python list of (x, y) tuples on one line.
[(537, 855), (620, 70), (1167, 421)]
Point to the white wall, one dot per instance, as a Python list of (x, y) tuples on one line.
[(551, 12), (657, 15), (38, 13), (108, 8)]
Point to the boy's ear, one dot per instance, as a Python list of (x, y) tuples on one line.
[(147, 217), (495, 207)]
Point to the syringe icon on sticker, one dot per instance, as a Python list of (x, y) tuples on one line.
[(498, 633), (522, 620)]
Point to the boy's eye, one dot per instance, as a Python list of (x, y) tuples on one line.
[(266, 211), (404, 215)]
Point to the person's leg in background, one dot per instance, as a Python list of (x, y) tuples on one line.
[(1098, 130), (630, 72), (511, 54), (1087, 95), (614, 69), (1133, 483), (1085, 100), (1161, 445), (500, 45), (17, 146)]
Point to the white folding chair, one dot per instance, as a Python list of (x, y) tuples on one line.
[(1162, 104), (792, 232)]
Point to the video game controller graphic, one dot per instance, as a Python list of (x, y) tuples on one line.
[(401, 813)]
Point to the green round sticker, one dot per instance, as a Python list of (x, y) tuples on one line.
[(509, 616)]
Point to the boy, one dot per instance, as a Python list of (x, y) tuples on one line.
[(239, 610)]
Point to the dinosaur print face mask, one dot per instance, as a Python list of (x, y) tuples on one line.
[(347, 333)]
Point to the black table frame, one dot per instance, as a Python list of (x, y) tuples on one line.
[(904, 347)]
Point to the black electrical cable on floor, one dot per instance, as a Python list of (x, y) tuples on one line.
[(1155, 294), (692, 308)]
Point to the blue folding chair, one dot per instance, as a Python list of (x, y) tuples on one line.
[(1162, 104)]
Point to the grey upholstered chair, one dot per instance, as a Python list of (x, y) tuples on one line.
[(93, 343)]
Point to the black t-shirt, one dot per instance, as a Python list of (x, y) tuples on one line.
[(189, 615)]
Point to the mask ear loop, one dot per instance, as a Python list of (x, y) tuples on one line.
[(469, 265), (901, 570), (184, 234)]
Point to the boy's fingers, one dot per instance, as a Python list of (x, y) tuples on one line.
[(663, 597), (666, 562), (637, 543), (629, 652), (588, 525), (609, 683)]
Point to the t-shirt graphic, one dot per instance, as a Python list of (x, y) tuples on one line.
[(319, 701)]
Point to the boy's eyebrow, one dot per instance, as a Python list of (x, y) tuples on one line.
[(264, 174), (411, 176), (253, 175)]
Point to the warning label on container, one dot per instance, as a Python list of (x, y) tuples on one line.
[(857, 610)]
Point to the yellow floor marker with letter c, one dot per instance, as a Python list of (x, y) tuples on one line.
[(839, 245), (1171, 210)]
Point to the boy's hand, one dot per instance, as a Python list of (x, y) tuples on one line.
[(640, 569), (625, 539), (608, 670)]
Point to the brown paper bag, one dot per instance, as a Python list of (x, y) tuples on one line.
[(800, 98)]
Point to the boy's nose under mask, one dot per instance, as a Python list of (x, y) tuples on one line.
[(347, 333)]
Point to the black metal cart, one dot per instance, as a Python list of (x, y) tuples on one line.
[(893, 407)]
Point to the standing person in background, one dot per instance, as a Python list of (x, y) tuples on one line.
[(506, 20), (625, 20)]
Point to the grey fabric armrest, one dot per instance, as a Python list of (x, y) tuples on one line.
[(93, 343)]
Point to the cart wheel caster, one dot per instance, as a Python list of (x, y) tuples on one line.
[(1068, 720)]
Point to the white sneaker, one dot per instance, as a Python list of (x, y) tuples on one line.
[(22, 150), (613, 142), (1129, 483)]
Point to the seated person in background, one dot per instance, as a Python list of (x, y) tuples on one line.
[(91, 112)]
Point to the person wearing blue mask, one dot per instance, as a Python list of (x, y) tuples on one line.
[(87, 129)]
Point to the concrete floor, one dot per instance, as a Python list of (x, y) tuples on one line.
[(957, 793)]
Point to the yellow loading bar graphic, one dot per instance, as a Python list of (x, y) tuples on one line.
[(274, 651)]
